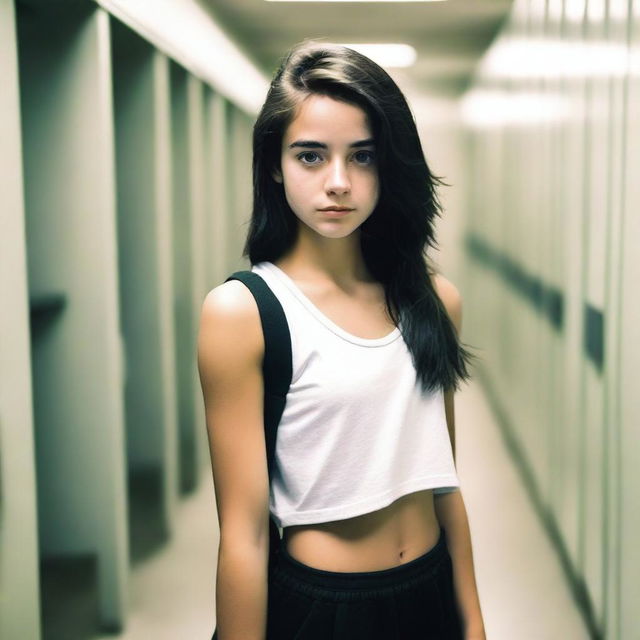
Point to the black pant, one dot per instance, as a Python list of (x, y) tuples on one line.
[(411, 601)]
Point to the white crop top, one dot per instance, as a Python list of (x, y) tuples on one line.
[(356, 433)]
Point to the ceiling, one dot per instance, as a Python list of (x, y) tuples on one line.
[(450, 37)]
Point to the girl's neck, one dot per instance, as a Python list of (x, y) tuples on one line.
[(340, 260)]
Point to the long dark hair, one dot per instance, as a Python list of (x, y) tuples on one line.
[(395, 237)]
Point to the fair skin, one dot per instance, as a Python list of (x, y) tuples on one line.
[(327, 265), (336, 173)]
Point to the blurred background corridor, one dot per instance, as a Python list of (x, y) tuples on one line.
[(125, 192)]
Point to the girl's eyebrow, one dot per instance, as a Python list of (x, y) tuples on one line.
[(312, 144)]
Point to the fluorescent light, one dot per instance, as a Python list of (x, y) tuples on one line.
[(537, 58), (485, 108), (355, 0), (387, 55)]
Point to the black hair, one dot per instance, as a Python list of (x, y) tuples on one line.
[(395, 238)]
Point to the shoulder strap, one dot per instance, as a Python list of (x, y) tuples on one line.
[(276, 366), (276, 369)]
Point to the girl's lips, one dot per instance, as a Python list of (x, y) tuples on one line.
[(335, 212)]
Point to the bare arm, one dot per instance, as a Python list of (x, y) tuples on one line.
[(452, 515), (230, 352), (450, 509)]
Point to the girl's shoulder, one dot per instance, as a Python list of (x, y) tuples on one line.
[(450, 297), (230, 324)]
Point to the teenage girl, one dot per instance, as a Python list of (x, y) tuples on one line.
[(376, 540)]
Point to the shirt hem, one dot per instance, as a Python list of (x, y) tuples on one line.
[(318, 516)]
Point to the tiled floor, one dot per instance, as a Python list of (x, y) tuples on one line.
[(522, 590)]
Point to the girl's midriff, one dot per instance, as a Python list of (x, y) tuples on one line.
[(394, 535)]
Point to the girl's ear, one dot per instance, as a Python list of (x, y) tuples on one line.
[(277, 175)]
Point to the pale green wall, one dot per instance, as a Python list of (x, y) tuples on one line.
[(120, 206), (19, 575), (552, 211)]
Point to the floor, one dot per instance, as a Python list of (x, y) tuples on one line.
[(522, 591)]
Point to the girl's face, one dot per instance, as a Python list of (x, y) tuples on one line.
[(328, 160)]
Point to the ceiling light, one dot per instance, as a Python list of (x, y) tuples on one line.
[(387, 55), (355, 0)]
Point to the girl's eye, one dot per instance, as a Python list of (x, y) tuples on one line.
[(365, 157), (306, 154)]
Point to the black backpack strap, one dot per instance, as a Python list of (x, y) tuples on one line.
[(277, 371), (276, 366)]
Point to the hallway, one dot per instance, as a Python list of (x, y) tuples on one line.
[(522, 589), (127, 193)]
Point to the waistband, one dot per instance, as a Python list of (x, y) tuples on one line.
[(420, 568)]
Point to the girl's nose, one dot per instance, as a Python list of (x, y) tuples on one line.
[(338, 180)]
